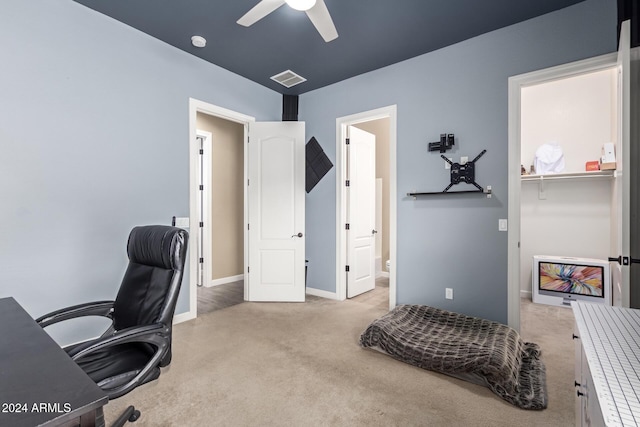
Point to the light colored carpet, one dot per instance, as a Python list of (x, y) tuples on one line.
[(288, 364)]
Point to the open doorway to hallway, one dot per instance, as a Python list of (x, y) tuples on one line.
[(221, 251)]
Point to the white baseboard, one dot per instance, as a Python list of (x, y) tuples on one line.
[(223, 280), (525, 294), (382, 274), (321, 293), (183, 317)]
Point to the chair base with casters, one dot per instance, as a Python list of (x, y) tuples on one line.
[(138, 342), (130, 414)]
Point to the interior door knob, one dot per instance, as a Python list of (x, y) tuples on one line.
[(297, 235), (374, 231)]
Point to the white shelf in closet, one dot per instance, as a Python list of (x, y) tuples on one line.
[(568, 175)]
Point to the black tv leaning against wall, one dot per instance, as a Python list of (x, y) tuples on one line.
[(318, 164)]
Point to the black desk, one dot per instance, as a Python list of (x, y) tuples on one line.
[(39, 379)]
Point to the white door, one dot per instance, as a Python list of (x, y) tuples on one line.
[(621, 236), (361, 212), (276, 196)]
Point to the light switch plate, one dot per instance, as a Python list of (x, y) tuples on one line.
[(182, 222), (503, 225)]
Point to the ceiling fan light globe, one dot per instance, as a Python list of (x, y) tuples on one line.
[(302, 5)]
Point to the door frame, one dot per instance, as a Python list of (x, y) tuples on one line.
[(195, 107), (207, 145), (516, 83), (342, 123)]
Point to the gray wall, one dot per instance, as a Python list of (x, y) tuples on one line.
[(94, 140), (448, 241)]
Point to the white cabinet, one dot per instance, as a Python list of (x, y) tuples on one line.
[(588, 411), (607, 368)]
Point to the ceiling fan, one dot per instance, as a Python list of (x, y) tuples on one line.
[(316, 11)]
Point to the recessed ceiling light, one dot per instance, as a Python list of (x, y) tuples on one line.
[(302, 5), (198, 41)]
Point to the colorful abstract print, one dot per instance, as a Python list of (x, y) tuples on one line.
[(574, 279)]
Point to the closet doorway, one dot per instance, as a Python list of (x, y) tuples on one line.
[(579, 106)]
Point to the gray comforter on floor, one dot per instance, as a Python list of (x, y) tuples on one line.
[(474, 349)]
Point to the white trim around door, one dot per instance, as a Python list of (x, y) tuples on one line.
[(204, 206)]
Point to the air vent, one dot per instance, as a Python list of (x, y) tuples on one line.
[(288, 78)]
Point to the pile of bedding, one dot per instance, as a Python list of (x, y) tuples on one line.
[(470, 348)]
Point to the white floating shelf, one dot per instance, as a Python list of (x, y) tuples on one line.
[(568, 175)]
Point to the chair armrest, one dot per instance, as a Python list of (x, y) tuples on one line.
[(98, 308), (151, 334), (148, 334)]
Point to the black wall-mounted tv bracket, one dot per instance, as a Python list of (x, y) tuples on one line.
[(463, 173), (445, 143)]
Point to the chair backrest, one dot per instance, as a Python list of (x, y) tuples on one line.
[(151, 283)]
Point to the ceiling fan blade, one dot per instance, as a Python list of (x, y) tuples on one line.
[(259, 11), (319, 15)]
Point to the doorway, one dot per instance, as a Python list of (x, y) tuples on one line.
[(221, 234), (238, 123), (534, 198), (276, 149), (382, 124)]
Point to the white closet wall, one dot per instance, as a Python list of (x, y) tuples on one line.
[(567, 216)]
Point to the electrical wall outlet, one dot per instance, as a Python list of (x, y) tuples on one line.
[(503, 225), (448, 293)]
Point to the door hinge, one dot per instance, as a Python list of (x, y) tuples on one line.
[(248, 228), (248, 182), (347, 142), (346, 268), (201, 187), (347, 183), (201, 224), (201, 260), (201, 151), (247, 269), (346, 226)]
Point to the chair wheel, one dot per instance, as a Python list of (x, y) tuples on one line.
[(134, 416)]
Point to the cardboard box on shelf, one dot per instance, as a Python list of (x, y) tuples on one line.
[(607, 166)]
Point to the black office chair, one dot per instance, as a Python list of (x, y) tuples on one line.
[(138, 342)]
